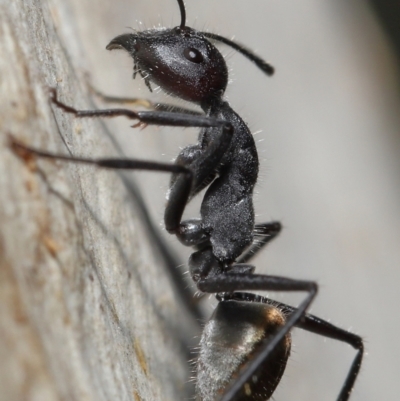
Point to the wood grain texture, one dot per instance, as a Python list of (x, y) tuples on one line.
[(329, 171), (87, 311)]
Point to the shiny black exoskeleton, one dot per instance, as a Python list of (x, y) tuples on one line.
[(246, 343), (186, 65)]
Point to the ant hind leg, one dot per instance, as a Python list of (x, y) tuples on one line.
[(228, 282), (264, 233), (314, 325)]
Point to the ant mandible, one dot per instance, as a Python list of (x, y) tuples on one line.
[(246, 343)]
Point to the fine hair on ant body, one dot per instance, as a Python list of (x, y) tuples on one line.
[(246, 343)]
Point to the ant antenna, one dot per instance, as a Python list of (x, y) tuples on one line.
[(258, 61), (183, 13)]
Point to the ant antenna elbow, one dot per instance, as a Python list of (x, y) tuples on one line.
[(258, 61), (183, 13)]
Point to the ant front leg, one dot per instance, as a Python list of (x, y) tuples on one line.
[(203, 166), (185, 174), (180, 191), (165, 118)]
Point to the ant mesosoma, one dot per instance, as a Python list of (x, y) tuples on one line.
[(246, 343)]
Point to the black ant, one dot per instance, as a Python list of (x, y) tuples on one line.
[(246, 343)]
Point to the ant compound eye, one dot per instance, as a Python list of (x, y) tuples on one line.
[(193, 55)]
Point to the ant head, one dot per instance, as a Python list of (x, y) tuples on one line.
[(180, 60)]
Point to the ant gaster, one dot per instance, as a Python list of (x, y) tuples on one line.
[(246, 343)]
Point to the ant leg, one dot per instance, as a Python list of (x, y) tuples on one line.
[(200, 168), (128, 164), (187, 173), (203, 261), (323, 328), (267, 232), (25, 151), (318, 326), (181, 196), (227, 282), (144, 117), (135, 101)]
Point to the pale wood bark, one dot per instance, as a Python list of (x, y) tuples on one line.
[(329, 172), (87, 311)]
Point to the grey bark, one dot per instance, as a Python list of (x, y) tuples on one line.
[(329, 171), (87, 311)]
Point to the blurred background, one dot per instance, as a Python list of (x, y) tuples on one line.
[(328, 131)]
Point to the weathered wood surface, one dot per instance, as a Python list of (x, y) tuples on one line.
[(87, 311), (329, 171)]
